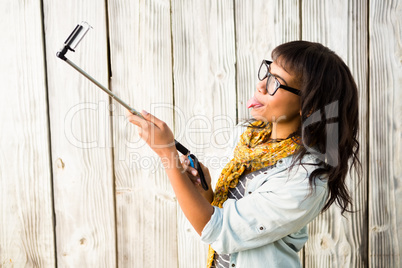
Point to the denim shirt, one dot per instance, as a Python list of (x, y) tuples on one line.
[(268, 226)]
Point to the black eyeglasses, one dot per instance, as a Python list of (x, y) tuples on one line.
[(272, 82)]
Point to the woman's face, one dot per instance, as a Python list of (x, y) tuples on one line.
[(284, 106)]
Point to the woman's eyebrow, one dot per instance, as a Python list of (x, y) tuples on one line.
[(277, 76)]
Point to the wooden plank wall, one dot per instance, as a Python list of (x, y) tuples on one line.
[(26, 206), (385, 168), (337, 241), (78, 188), (204, 78), (141, 64), (79, 124)]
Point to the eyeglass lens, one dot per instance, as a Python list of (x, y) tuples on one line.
[(272, 83)]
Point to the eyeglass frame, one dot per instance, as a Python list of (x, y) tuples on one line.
[(268, 75)]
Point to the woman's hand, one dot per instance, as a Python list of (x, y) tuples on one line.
[(160, 138), (193, 175), (155, 132)]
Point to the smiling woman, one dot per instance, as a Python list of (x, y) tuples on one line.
[(288, 166)]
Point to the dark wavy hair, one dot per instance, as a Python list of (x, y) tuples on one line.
[(329, 114)]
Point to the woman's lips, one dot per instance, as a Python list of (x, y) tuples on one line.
[(253, 103)]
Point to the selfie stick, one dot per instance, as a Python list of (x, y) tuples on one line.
[(71, 43)]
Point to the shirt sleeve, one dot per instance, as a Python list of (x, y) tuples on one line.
[(274, 210)]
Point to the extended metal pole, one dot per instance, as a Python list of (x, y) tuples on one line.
[(110, 93)]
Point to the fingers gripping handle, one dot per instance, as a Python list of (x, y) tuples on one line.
[(195, 164)]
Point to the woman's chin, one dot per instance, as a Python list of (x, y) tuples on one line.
[(257, 116)]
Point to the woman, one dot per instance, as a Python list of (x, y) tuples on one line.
[(289, 165)]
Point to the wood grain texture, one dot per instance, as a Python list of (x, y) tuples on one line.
[(79, 119), (261, 25), (385, 173), (205, 96), (26, 217), (192, 64), (337, 241), (141, 63)]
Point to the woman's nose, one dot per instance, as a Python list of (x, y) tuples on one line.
[(261, 86)]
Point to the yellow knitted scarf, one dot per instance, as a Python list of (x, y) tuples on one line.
[(253, 152)]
